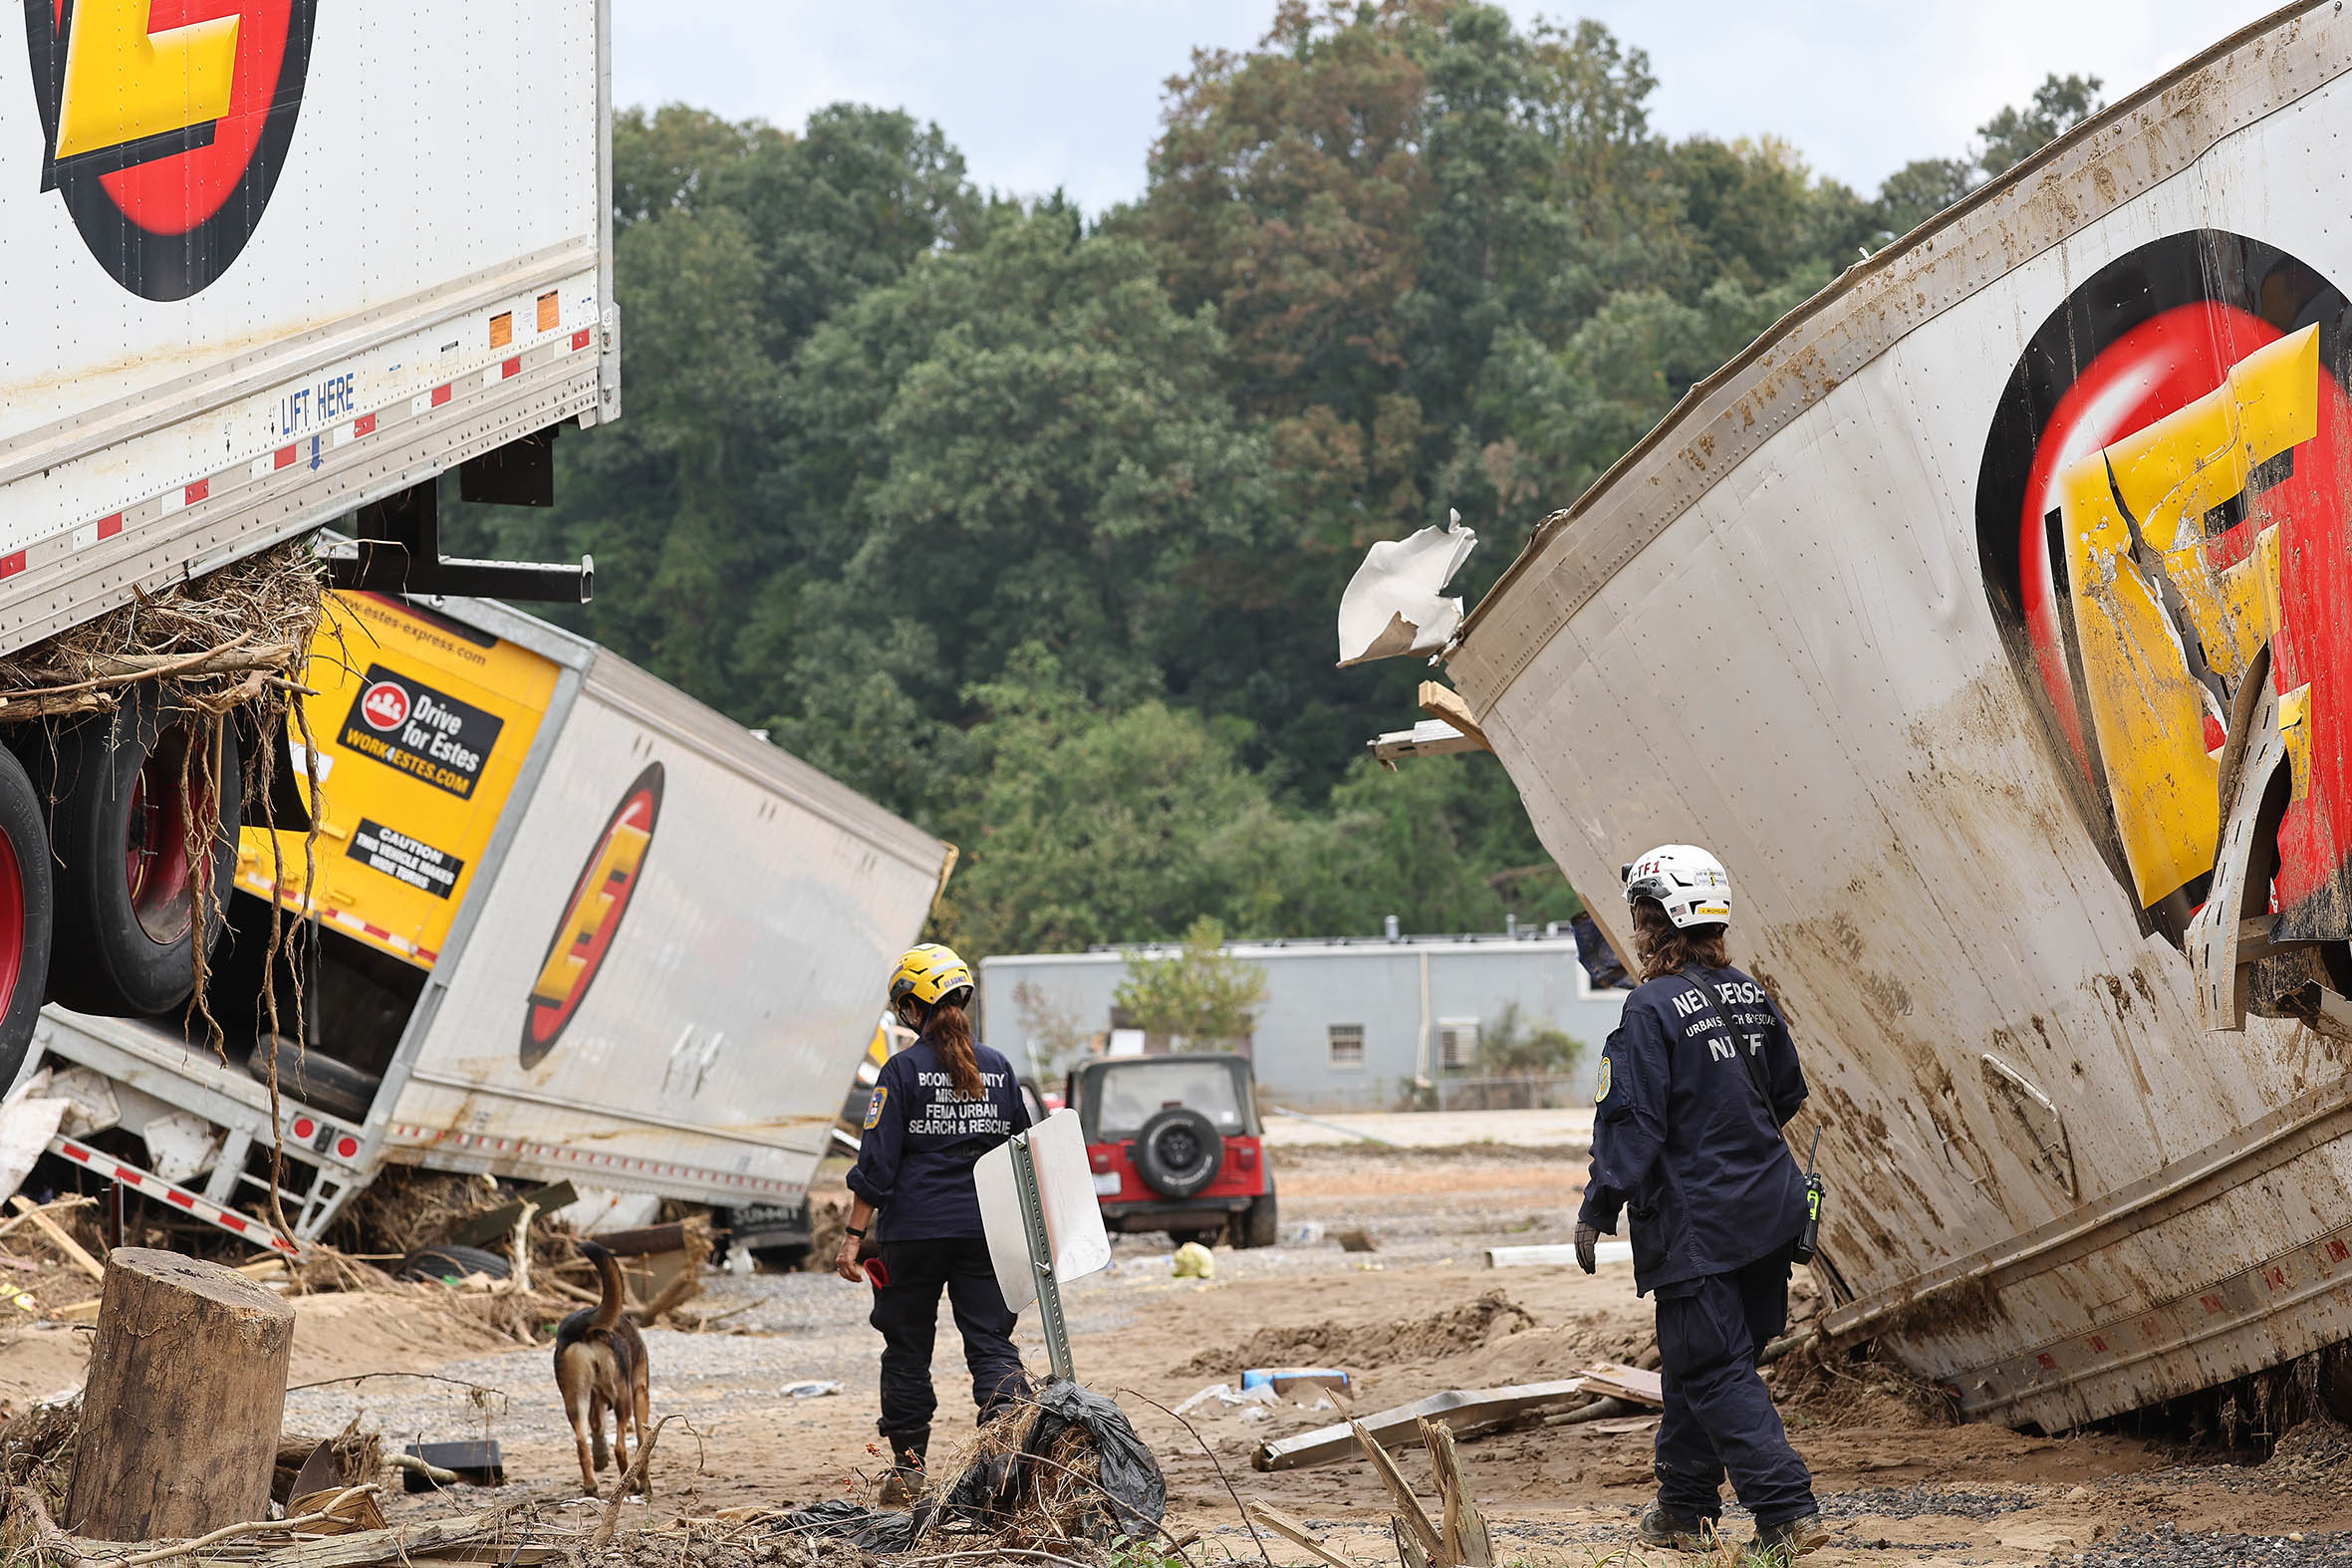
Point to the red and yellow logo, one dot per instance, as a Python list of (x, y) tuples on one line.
[(166, 124), (592, 915), (2162, 519)]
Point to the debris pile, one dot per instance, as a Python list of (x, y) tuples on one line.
[(1062, 1473), (1448, 1333), (235, 638)]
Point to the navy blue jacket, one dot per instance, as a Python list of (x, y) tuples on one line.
[(1683, 1138), (914, 1158)]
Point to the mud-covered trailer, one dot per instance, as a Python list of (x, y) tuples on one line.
[(1991, 615)]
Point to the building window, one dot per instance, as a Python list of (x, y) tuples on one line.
[(1347, 1045), (1457, 1044)]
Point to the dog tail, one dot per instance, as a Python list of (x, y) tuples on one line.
[(608, 1273)]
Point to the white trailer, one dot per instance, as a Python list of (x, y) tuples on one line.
[(640, 953), (276, 267), (377, 244), (1989, 617)]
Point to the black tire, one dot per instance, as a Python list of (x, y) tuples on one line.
[(125, 883), (1208, 1238), (1179, 1151), (1260, 1226), (315, 1077), (27, 914), (451, 1262)]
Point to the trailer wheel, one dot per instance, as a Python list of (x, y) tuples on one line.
[(313, 1078), (122, 788), (27, 915)]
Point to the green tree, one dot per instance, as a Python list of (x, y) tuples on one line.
[(1201, 994), (2016, 135), (1513, 1047)]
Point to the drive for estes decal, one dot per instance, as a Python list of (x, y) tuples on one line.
[(404, 724), (165, 129)]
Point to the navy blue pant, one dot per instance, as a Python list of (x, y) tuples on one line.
[(1718, 1415), (906, 1311)]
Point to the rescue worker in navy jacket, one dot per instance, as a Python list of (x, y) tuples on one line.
[(1694, 1086), (938, 1105)]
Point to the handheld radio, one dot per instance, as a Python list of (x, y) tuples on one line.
[(1809, 1238)]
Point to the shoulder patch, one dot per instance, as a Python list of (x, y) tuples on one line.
[(1599, 1094), (881, 1094)]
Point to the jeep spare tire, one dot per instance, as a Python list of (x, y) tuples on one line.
[(1179, 1151)]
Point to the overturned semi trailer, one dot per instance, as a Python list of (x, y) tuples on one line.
[(1992, 617)]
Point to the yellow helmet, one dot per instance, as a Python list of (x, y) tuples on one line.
[(927, 974)]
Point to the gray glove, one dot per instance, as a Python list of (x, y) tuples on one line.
[(1588, 1238)]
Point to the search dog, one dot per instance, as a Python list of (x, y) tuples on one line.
[(600, 1366)]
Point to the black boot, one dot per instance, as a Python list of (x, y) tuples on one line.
[(1676, 1530), (1787, 1540), (903, 1484)]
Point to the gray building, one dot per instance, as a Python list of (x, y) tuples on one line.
[(1349, 1022)]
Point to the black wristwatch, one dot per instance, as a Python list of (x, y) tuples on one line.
[(854, 1233)]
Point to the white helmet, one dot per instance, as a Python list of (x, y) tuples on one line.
[(1689, 882)]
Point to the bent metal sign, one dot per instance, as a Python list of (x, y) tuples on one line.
[(166, 126)]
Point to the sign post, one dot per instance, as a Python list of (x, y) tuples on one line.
[(1044, 1226), (1041, 1261)]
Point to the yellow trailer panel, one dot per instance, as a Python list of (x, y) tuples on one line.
[(418, 730)]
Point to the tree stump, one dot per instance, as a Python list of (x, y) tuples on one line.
[(186, 1390)]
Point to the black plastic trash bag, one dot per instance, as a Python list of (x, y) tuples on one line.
[(878, 1530), (1132, 1497)]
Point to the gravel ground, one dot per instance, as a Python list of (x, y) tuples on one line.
[(1923, 1502), (2168, 1547)]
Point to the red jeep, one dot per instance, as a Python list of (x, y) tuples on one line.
[(1176, 1146)]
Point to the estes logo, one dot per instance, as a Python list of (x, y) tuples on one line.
[(600, 898), (384, 705), (165, 124)]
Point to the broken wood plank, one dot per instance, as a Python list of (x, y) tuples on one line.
[(1409, 1548), (1467, 1410), (1461, 1527), (1619, 1381), (1295, 1531), (1408, 1507), (58, 1237), (1602, 1409), (1552, 1255), (495, 1225), (382, 1546)]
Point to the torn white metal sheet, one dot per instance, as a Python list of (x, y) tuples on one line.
[(1957, 615), (1394, 603)]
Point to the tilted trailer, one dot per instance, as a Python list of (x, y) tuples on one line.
[(1992, 617)]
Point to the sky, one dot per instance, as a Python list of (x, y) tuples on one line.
[(1046, 95)]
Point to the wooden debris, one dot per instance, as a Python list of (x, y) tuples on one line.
[(339, 1512), (1599, 1410), (1461, 1531), (1630, 1384), (493, 1224), (1466, 1411), (1409, 1512), (1295, 1531), (58, 1237)]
